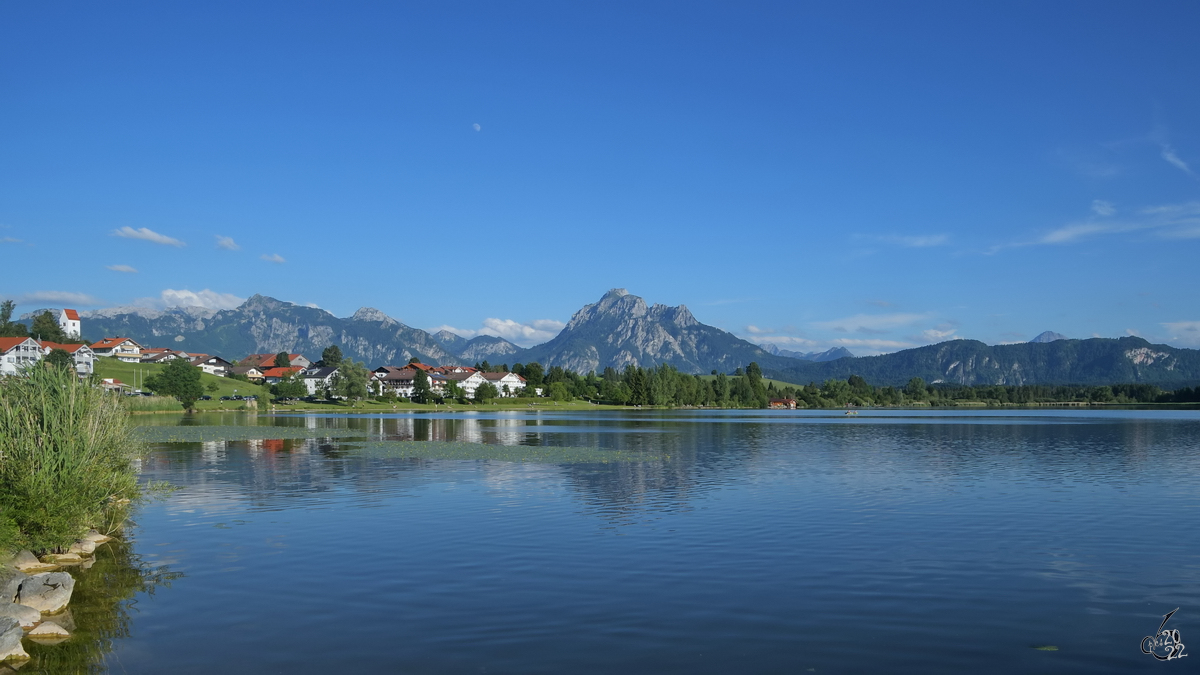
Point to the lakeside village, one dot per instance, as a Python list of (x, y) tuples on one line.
[(305, 377)]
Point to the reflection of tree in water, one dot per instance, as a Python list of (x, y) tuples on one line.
[(99, 613)]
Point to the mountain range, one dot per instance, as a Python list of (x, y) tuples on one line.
[(622, 329)]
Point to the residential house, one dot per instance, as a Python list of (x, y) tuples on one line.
[(113, 384), (68, 320), (17, 353), (398, 381), (81, 355), (213, 365), (250, 372), (261, 361), (782, 403), (514, 383), (162, 355), (122, 348), (319, 379), (467, 382)]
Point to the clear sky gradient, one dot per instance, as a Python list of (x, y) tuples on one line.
[(876, 176)]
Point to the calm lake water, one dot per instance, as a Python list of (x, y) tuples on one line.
[(668, 542)]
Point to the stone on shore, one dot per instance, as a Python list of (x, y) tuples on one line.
[(96, 538), (10, 583), (48, 592), (28, 563), (83, 547), (26, 615), (10, 640), (62, 558), (49, 629)]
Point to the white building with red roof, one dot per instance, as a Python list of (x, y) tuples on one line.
[(508, 384), (81, 355), (17, 354), (68, 320), (125, 349)]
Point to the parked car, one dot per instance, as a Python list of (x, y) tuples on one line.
[(205, 398)]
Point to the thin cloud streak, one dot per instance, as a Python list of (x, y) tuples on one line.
[(227, 243), (122, 268), (146, 234), (57, 297), (274, 257)]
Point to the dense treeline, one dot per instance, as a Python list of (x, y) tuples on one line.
[(665, 386)]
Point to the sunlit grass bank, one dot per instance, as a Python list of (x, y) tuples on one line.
[(66, 460)]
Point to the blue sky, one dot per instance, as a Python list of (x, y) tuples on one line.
[(875, 176)]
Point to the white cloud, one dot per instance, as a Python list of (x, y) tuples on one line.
[(935, 335), (1184, 333), (788, 342), (476, 127), (227, 243), (10, 240), (185, 298), (1077, 231), (122, 268), (1103, 208), (57, 297), (523, 334), (1170, 221), (274, 257), (872, 347), (1168, 154), (871, 323), (755, 330), (918, 241), (146, 234)]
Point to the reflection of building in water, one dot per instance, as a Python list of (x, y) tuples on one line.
[(310, 422), (212, 451)]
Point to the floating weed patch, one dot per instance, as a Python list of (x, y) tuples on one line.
[(503, 453), (201, 434), (1046, 648)]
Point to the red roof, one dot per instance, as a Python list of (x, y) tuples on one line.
[(261, 360), (109, 343), (281, 372), (8, 343), (70, 349), (72, 315)]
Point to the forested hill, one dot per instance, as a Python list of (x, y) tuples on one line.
[(264, 325), (1094, 361)]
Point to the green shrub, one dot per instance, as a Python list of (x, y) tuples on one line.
[(66, 460)]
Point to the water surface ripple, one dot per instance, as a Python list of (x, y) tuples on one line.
[(756, 542)]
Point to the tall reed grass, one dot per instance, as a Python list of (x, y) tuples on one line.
[(151, 403), (66, 460)]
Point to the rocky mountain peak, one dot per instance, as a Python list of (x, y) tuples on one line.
[(260, 304), (1049, 336), (372, 314)]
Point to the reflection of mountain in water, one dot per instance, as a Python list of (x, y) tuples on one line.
[(100, 610), (689, 457)]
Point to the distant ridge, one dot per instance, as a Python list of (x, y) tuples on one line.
[(827, 355)]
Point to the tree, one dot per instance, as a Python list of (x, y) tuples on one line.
[(486, 392), (350, 381), (533, 374), (7, 327), (212, 387), (421, 389), (45, 327), (558, 392), (283, 360), (413, 360), (915, 389), (60, 358), (291, 386), (179, 379), (331, 357)]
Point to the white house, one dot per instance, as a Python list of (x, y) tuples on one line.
[(122, 348), (213, 365), (317, 379), (467, 381), (17, 353), (68, 320), (513, 381), (81, 355)]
